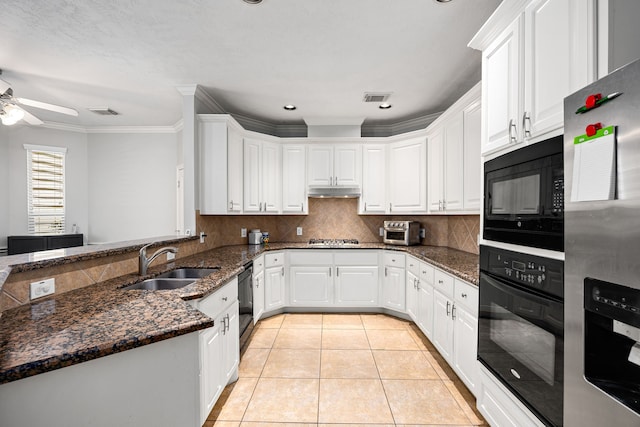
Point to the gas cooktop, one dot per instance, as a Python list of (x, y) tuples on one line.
[(333, 242)]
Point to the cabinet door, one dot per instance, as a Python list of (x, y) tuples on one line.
[(501, 68), (258, 296), (294, 178), (374, 179), (393, 291), (435, 145), (274, 288), (412, 295), (252, 175), (453, 163), (271, 173), (212, 372), (320, 165), (235, 171), (424, 312), (347, 165), (472, 120), (466, 346), (408, 176), (311, 286), (443, 326), (231, 347), (356, 286)]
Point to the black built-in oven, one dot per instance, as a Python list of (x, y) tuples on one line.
[(521, 327), (524, 196)]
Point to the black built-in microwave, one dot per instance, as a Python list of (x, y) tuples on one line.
[(524, 196)]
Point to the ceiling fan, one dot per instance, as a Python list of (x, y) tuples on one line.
[(11, 111)]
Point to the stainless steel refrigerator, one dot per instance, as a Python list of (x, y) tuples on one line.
[(602, 252)]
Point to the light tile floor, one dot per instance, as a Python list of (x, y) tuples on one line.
[(331, 370)]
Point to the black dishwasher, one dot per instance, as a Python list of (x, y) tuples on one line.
[(245, 299)]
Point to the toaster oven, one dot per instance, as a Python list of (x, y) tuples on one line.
[(404, 233)]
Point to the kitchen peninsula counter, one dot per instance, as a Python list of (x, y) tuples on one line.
[(102, 319)]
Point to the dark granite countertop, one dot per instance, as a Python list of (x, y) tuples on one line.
[(103, 319)]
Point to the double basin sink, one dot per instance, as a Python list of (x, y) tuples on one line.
[(173, 279)]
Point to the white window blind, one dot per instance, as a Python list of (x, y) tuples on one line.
[(45, 180)]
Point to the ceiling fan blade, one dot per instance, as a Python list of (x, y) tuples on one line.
[(31, 119), (45, 106), (4, 86)]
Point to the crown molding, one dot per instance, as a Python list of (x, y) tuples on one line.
[(383, 130), (112, 129), (187, 90), (212, 105), (504, 15)]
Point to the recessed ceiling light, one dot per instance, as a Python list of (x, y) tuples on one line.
[(289, 107), (384, 106), (438, 1), (253, 1)]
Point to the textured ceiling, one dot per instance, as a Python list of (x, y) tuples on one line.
[(320, 55)]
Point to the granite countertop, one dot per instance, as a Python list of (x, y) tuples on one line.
[(103, 319)]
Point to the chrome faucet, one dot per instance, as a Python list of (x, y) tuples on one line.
[(143, 261)]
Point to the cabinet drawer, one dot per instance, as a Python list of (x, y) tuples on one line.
[(311, 257), (394, 259), (413, 265), (426, 273), (444, 283), (258, 264), (466, 295), (369, 257), (213, 304), (274, 259)]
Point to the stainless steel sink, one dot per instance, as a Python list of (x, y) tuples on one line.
[(160, 283), (188, 273)]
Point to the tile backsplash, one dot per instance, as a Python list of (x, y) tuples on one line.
[(338, 219)]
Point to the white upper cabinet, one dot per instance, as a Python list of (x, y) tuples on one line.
[(545, 52), (262, 175), (453, 143), (220, 148), (294, 174), (501, 66), (408, 176), (374, 179), (334, 164)]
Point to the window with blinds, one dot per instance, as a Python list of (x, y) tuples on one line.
[(45, 181)]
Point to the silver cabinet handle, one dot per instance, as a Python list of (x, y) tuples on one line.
[(224, 298), (365, 206), (526, 118), (463, 295), (417, 284), (228, 322), (337, 271), (231, 205), (260, 207), (440, 281), (385, 271), (439, 205), (301, 207), (336, 180), (513, 138), (390, 207), (448, 311), (224, 326), (444, 205), (453, 312), (283, 271), (330, 271)]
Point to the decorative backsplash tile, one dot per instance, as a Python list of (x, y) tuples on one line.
[(338, 219)]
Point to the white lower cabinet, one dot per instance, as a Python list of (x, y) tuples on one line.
[(311, 286), (257, 285), (424, 312), (340, 278), (411, 294), (443, 325), (274, 281), (394, 282), (219, 345), (356, 286)]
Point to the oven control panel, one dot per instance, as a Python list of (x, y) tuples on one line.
[(558, 195), (544, 274)]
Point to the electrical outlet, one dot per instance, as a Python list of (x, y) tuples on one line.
[(170, 256), (42, 288), (243, 232), (381, 231), (202, 236), (299, 231), (423, 233)]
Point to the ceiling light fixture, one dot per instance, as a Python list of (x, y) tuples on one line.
[(289, 107), (438, 1), (253, 1), (384, 106), (11, 114)]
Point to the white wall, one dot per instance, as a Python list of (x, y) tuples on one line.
[(132, 180), (76, 175), (5, 184)]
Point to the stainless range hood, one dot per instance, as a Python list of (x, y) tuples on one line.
[(334, 191)]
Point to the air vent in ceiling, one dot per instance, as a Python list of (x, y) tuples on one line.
[(376, 97), (104, 111)]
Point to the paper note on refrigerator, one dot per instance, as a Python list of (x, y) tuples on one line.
[(594, 166)]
